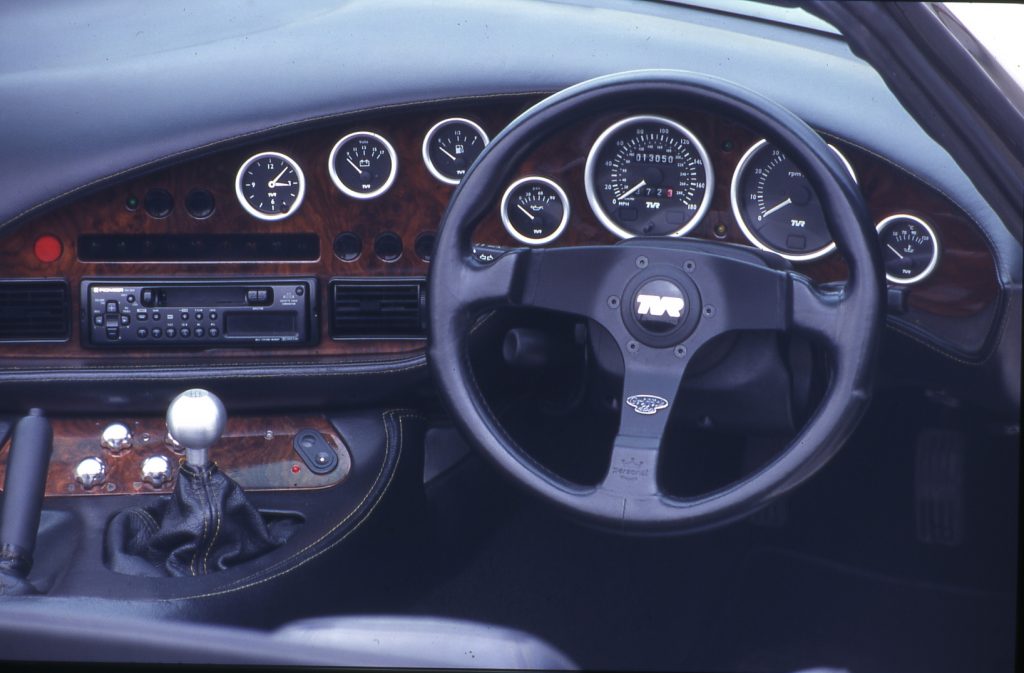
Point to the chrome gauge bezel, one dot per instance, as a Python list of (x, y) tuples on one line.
[(425, 149), (592, 196), (746, 229), (935, 254), (345, 189), (259, 214), (559, 192)]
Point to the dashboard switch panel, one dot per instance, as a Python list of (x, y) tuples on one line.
[(141, 313)]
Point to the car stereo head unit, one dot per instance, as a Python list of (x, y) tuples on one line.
[(152, 313)]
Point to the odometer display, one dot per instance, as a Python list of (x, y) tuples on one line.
[(648, 176)]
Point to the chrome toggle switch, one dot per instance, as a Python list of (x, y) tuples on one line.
[(91, 471), (156, 470), (116, 438)]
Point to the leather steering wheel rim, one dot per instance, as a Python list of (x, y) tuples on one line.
[(848, 322)]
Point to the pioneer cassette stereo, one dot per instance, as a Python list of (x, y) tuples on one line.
[(210, 313)]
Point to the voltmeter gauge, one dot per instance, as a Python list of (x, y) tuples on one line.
[(535, 210), (776, 206), (450, 148), (270, 186), (648, 176), (363, 165), (910, 249)]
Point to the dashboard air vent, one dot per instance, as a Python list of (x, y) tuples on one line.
[(34, 310), (378, 309)]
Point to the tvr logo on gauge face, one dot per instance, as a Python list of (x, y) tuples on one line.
[(647, 405)]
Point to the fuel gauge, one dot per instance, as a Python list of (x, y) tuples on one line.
[(534, 210), (451, 146), (909, 248)]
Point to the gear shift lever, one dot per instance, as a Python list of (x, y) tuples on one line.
[(196, 419), (207, 524)]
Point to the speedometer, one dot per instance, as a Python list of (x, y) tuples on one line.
[(648, 176)]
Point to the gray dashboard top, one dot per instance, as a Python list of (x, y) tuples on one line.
[(92, 91)]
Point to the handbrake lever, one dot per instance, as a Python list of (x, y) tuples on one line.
[(27, 465)]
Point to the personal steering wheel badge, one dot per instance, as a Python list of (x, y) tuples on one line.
[(647, 405)]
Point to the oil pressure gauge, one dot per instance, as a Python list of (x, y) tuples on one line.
[(534, 210), (909, 248), (363, 165)]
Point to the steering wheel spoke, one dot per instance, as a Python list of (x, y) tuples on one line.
[(649, 391)]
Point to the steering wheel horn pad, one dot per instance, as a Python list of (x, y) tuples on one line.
[(661, 299)]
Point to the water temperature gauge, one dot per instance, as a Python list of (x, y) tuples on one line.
[(909, 248), (534, 210)]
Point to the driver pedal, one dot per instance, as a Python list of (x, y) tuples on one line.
[(939, 487)]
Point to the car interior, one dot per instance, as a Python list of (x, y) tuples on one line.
[(532, 334)]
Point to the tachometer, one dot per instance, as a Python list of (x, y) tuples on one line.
[(270, 185), (776, 207), (648, 176)]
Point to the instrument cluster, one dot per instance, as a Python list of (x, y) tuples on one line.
[(649, 175)]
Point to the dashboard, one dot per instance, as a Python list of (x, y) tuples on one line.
[(347, 211)]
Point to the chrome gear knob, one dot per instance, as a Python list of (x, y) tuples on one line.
[(196, 420)]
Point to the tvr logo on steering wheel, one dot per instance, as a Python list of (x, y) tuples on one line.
[(647, 405)]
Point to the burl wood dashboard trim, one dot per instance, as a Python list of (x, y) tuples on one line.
[(255, 452), (964, 284)]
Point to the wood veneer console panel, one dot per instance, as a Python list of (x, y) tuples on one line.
[(255, 452), (963, 284)]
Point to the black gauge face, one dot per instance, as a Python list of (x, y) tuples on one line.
[(363, 165), (776, 206), (909, 248), (648, 176), (534, 210), (451, 147), (270, 186)]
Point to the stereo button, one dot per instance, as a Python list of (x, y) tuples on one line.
[(171, 332), (113, 334), (98, 320), (156, 333), (142, 333), (199, 331), (125, 320), (213, 315), (185, 332), (111, 307), (214, 332)]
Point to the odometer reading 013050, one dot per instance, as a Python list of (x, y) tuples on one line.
[(648, 176)]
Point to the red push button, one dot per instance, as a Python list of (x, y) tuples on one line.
[(48, 248)]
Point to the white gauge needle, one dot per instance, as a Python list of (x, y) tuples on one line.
[(450, 155), (353, 165), (635, 187), (894, 250), (273, 183), (778, 207), (525, 211)]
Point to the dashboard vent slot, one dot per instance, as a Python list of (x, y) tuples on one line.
[(34, 310), (378, 309)]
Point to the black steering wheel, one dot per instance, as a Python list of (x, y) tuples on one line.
[(706, 288)]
